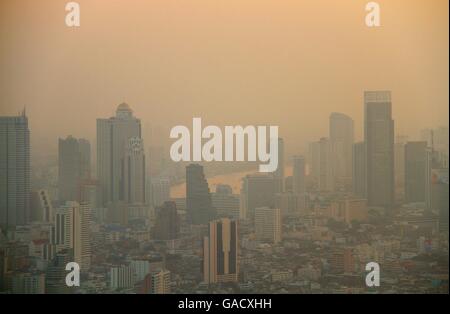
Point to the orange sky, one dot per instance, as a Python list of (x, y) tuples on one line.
[(286, 63)]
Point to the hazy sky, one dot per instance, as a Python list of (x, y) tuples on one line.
[(286, 63)]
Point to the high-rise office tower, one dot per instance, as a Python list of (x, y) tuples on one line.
[(167, 224), (415, 171), (134, 172), (112, 139), (342, 137), (198, 197), (322, 158), (258, 190), (72, 223), (379, 139), (268, 224), (73, 166), (359, 180), (279, 173), (298, 175), (14, 171), (220, 252)]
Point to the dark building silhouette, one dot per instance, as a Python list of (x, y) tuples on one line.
[(415, 171), (359, 178), (74, 165), (198, 198), (379, 139), (14, 171), (257, 191), (167, 226)]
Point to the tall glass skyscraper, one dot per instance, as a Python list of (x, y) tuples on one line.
[(14, 170), (379, 139), (112, 139)]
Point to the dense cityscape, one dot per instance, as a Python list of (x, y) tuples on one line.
[(311, 226)]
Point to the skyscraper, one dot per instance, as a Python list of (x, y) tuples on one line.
[(322, 158), (73, 166), (342, 137), (167, 224), (298, 175), (379, 139), (72, 225), (220, 252), (112, 139), (14, 171), (258, 190), (415, 171), (268, 224), (279, 173), (359, 180), (133, 166), (198, 198)]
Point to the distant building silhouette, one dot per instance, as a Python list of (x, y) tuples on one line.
[(322, 156), (359, 180), (379, 139), (258, 190), (298, 175), (74, 165), (14, 171), (342, 137), (167, 224), (198, 197), (112, 139), (415, 171), (133, 165), (279, 173)]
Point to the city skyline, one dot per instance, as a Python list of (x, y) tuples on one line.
[(330, 175), (190, 69)]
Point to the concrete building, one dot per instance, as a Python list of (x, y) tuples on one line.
[(268, 224), (379, 139), (220, 252), (113, 135), (14, 171)]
